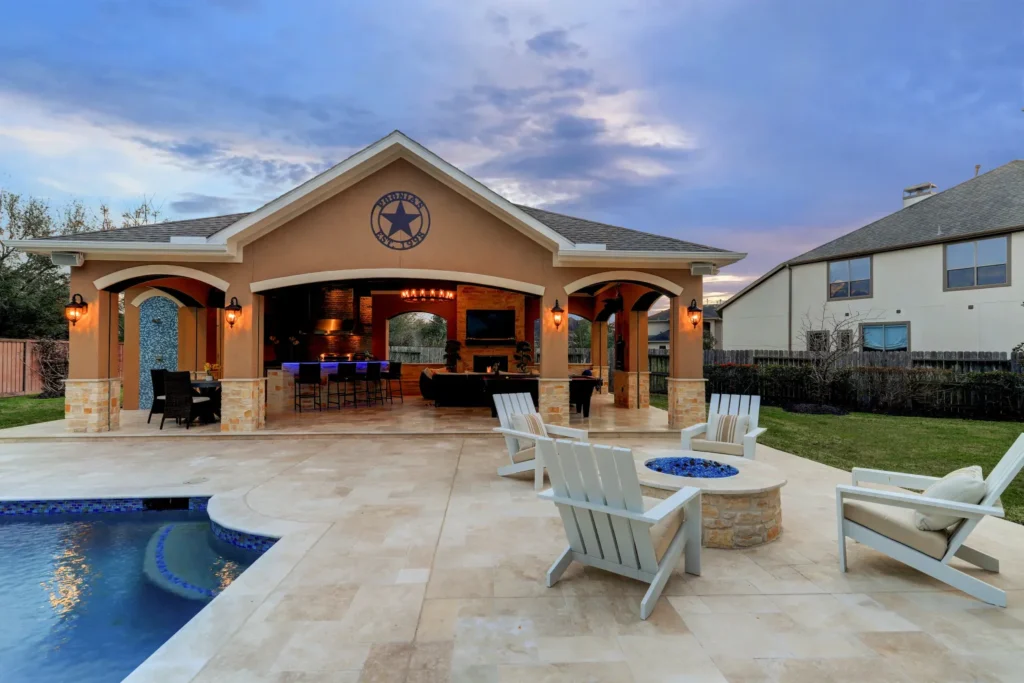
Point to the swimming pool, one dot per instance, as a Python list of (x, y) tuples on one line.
[(88, 597)]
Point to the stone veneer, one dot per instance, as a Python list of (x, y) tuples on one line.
[(92, 405), (243, 405), (553, 395), (626, 389), (736, 521), (281, 391), (687, 404)]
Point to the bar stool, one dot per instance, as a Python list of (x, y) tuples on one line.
[(372, 385), (309, 376), (342, 380), (394, 373)]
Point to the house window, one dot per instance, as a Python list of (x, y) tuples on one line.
[(849, 279), (844, 339), (887, 337), (981, 263), (817, 341)]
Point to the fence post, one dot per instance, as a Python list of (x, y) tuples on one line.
[(24, 366)]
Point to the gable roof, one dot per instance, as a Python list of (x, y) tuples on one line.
[(990, 203), (571, 240)]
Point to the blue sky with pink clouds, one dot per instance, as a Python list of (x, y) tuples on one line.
[(766, 127)]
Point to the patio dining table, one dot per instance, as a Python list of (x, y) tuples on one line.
[(211, 389)]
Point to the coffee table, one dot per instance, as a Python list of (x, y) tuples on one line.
[(741, 511)]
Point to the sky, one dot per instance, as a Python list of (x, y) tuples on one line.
[(761, 127)]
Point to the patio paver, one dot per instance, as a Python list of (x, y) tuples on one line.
[(408, 559)]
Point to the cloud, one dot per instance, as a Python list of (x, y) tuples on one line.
[(192, 203), (554, 43)]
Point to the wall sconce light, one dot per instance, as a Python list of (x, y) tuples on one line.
[(75, 309), (556, 314), (233, 311), (693, 310)]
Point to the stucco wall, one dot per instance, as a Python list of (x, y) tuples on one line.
[(907, 287), (758, 319)]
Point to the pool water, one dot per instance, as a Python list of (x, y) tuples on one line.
[(78, 601)]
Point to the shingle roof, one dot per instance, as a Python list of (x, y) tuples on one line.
[(159, 232), (582, 231), (576, 230), (992, 202)]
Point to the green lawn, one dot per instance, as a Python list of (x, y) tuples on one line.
[(25, 410), (919, 445)]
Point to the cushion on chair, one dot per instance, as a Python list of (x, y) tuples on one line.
[(964, 485), (897, 524), (524, 454), (200, 399), (530, 423), (161, 398), (664, 531), (727, 428), (720, 447)]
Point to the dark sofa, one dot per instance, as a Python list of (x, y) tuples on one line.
[(472, 390)]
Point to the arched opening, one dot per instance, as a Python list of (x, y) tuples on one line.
[(579, 340), (417, 337)]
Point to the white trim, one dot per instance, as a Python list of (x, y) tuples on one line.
[(624, 276), (150, 293), (415, 273), (93, 248), (359, 165), (156, 269), (641, 259)]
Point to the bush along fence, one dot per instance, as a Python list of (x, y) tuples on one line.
[(958, 361), (930, 392)]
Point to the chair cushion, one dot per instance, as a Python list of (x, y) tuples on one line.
[(897, 524), (664, 531), (529, 423), (727, 428), (200, 399), (720, 447), (161, 398), (524, 454), (964, 485)]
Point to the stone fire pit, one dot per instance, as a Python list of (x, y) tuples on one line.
[(741, 509)]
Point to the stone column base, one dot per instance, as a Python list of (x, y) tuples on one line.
[(280, 391), (243, 404), (686, 402), (626, 390), (92, 405), (554, 401)]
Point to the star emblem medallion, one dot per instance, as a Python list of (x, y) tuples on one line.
[(400, 220)]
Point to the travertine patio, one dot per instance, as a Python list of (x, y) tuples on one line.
[(407, 559)]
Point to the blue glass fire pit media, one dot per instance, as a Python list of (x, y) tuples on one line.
[(692, 467)]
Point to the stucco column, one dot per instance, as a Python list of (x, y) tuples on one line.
[(243, 387), (686, 400), (632, 386), (599, 349), (130, 372), (92, 396), (553, 394)]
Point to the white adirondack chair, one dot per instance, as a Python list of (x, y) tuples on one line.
[(525, 459), (928, 551), (608, 525), (727, 404)]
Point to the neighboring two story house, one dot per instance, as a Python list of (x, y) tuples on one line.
[(935, 276), (657, 328)]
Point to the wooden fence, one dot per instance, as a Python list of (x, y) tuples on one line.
[(417, 354), (19, 367), (958, 361)]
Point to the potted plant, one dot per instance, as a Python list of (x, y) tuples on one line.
[(451, 354), (523, 356), (210, 369)]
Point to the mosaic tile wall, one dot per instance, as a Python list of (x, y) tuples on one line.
[(158, 343), (86, 506), (242, 539)]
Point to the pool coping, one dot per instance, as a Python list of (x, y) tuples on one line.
[(182, 656)]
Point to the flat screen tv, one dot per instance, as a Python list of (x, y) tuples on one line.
[(491, 325)]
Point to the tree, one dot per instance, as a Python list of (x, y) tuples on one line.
[(709, 340), (143, 214), (830, 340), (579, 332)]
